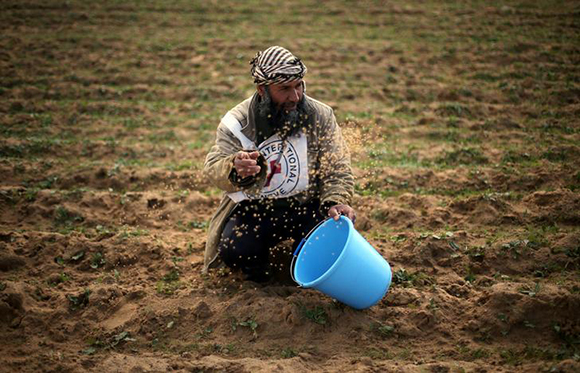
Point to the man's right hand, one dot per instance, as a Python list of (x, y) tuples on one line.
[(245, 164)]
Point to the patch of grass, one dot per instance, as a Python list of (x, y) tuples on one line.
[(513, 91), (452, 136), (133, 123), (569, 335), (517, 75), (468, 354), (407, 279), (480, 353), (573, 253), (483, 335), (463, 156), (31, 147), (62, 277), (168, 283), (370, 189), (575, 185), (104, 231), (557, 155), (191, 225), (546, 269), (98, 260), (211, 192), (10, 196), (544, 354), (30, 194), (249, 323), (182, 193), (405, 354), (212, 348), (79, 301), (317, 314), (376, 353), (515, 248), (454, 110), (487, 77), (114, 341), (163, 136), (531, 291), (537, 236), (288, 353), (205, 333), (469, 276), (120, 338), (378, 157), (59, 260), (398, 238), (383, 330), (182, 166), (552, 127), (516, 357), (476, 254), (62, 216), (74, 194), (513, 156), (402, 277), (130, 232), (47, 183)]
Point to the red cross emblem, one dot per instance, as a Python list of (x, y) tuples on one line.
[(275, 168)]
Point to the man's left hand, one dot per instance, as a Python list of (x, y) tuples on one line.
[(337, 210)]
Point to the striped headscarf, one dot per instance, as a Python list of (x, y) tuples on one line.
[(276, 65)]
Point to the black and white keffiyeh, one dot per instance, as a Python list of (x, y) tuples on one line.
[(276, 65)]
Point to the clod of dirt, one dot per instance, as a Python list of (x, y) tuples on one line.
[(202, 310), (11, 307), (560, 205), (10, 262), (363, 224), (5, 237), (155, 203), (101, 174)]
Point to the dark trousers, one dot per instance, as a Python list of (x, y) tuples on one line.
[(257, 226)]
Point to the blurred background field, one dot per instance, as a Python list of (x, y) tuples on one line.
[(463, 122)]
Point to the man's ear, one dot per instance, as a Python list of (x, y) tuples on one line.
[(303, 86), (261, 90)]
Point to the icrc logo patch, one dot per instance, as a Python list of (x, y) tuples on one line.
[(281, 178), (284, 179), (290, 175)]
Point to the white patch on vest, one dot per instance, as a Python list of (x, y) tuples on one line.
[(290, 177)]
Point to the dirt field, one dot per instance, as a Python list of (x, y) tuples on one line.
[(463, 119)]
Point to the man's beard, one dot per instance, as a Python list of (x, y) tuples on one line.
[(286, 122)]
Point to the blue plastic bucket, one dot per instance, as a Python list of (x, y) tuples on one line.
[(336, 260)]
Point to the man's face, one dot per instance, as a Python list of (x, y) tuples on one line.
[(286, 96)]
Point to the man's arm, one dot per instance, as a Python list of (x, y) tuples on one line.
[(224, 160)]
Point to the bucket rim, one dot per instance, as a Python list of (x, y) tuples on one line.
[(332, 268)]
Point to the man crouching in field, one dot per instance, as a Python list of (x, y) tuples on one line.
[(282, 162)]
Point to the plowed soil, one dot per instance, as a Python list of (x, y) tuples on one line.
[(463, 122)]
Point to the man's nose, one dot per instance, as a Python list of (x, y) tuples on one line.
[(294, 95)]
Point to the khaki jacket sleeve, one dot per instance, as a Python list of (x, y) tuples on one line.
[(219, 163), (335, 172)]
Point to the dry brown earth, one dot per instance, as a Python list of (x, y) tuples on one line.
[(463, 121)]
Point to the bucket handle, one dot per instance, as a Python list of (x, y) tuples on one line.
[(299, 248)]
